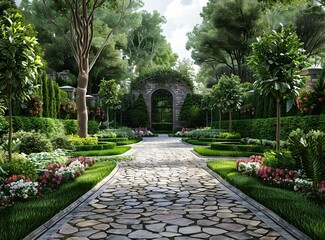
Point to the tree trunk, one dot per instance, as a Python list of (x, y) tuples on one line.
[(230, 121), (219, 119), (107, 115), (82, 114), (278, 123), (211, 115), (10, 129), (115, 119)]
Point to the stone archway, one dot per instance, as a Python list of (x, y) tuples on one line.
[(162, 110), (170, 82)]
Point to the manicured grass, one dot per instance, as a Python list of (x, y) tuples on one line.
[(198, 142), (22, 218), (293, 207), (211, 152), (115, 151)]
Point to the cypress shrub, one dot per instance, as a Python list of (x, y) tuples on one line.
[(139, 114), (45, 95), (191, 112)]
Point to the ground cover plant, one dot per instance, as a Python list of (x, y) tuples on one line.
[(27, 215), (304, 214)]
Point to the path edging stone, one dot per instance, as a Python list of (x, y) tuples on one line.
[(272, 215), (56, 218)]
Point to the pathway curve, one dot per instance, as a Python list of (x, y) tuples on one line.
[(165, 194)]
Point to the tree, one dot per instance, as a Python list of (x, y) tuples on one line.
[(224, 37), (277, 57), (185, 67), (19, 61), (190, 111), (6, 4), (108, 93), (230, 94), (139, 113), (79, 38)]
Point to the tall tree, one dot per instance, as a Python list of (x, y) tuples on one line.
[(79, 38), (276, 60), (147, 47), (108, 93), (226, 33), (185, 67), (6, 4), (19, 61)]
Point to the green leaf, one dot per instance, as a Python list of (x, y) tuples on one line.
[(289, 105)]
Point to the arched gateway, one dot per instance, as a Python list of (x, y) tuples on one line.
[(164, 92)]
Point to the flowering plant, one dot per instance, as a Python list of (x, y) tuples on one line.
[(142, 132), (68, 106), (18, 187), (33, 106), (86, 162)]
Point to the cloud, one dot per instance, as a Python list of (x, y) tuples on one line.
[(186, 2)]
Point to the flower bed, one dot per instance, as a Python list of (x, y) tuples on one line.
[(284, 178), (52, 170)]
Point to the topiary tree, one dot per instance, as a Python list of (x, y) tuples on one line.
[(19, 61), (229, 94), (108, 93), (190, 111), (277, 57), (139, 114)]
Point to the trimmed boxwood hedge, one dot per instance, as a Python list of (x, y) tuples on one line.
[(264, 128), (235, 147), (107, 145), (49, 126), (117, 139)]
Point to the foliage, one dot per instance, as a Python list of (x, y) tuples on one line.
[(229, 135), (33, 142), (282, 159), (161, 76), (115, 151), (43, 159), (236, 147), (290, 206), (61, 141), (204, 133), (76, 140), (190, 111), (33, 106), (19, 166), (223, 153), (221, 43), (22, 213), (19, 61), (68, 107), (139, 114), (277, 57), (105, 146), (123, 132)]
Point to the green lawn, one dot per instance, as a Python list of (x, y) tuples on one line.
[(223, 153), (115, 151), (22, 218), (293, 207)]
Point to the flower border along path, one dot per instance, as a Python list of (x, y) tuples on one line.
[(165, 194)]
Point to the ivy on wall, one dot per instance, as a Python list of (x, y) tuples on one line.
[(161, 76)]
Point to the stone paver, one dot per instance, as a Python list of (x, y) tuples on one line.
[(165, 194)]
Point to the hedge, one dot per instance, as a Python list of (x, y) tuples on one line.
[(49, 126), (108, 145), (264, 128), (235, 147), (117, 139)]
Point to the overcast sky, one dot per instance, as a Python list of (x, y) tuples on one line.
[(181, 16)]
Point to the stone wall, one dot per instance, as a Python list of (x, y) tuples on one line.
[(178, 91)]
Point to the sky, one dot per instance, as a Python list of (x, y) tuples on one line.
[(181, 16)]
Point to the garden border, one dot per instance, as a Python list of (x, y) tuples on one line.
[(80, 202), (255, 207)]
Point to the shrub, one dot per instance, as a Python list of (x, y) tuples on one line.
[(139, 113), (76, 140), (62, 141), (229, 135), (43, 159), (19, 166), (93, 127), (204, 133), (107, 145), (32, 142), (121, 132), (279, 159), (70, 126), (235, 147)]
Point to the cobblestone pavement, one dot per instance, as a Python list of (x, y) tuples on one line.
[(165, 194)]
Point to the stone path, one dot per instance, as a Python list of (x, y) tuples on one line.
[(165, 194)]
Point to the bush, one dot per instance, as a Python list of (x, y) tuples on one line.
[(107, 145), (281, 159), (18, 166), (76, 140), (204, 133), (229, 135), (121, 132), (62, 141), (70, 126), (93, 127), (139, 113), (32, 142), (235, 147), (118, 139)]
